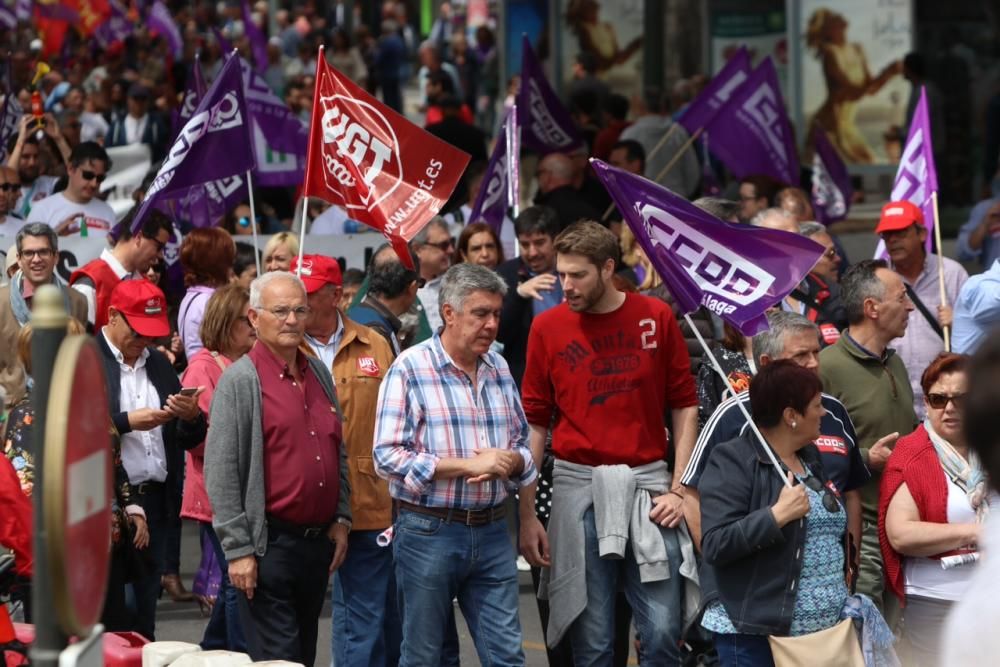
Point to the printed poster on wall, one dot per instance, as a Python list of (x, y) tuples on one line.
[(852, 83), (610, 30)]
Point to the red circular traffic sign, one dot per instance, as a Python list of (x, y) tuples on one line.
[(78, 482)]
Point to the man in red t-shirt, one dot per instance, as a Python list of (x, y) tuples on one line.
[(608, 365)]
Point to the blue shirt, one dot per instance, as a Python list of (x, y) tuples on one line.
[(837, 444), (977, 310), (990, 250), (550, 298)]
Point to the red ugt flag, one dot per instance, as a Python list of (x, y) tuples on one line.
[(384, 170)]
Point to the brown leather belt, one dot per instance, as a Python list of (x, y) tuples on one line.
[(465, 517)]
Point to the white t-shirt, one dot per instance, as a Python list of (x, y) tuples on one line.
[(10, 224), (970, 636), (925, 576), (34, 193), (57, 208)]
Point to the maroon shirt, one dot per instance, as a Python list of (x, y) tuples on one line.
[(302, 439)]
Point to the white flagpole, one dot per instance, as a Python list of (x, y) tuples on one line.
[(937, 241), (513, 186), (253, 222), (739, 404), (302, 235)]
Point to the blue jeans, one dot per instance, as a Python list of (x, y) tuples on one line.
[(743, 650), (366, 625), (437, 561), (225, 628), (656, 605)]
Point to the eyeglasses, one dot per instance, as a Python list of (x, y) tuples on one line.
[(940, 401), (41, 253), (93, 176), (830, 502), (282, 312), (10, 187), (443, 246)]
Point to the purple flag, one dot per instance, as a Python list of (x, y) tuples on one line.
[(499, 190), (193, 93), (831, 184), (57, 11), (751, 133), (258, 42), (10, 117), (8, 20), (115, 28), (703, 108), (546, 125), (735, 271), (280, 137), (916, 178), (22, 10), (710, 185), (213, 146), (224, 44), (162, 22)]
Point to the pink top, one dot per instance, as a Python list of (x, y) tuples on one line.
[(204, 370)]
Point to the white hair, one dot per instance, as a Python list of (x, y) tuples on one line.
[(260, 283)]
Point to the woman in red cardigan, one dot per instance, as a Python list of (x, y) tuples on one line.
[(934, 498)]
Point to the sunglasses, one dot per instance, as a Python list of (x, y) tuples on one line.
[(830, 502), (443, 246), (940, 401), (93, 176), (10, 187)]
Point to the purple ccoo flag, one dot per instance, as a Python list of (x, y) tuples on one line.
[(162, 22), (115, 28), (258, 42), (8, 20), (499, 190), (280, 137), (703, 108), (735, 271), (751, 132), (10, 118), (831, 184), (22, 10), (546, 125), (213, 146), (916, 177)]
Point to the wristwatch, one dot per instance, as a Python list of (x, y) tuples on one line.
[(344, 522)]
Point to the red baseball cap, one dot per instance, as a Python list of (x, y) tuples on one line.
[(318, 270), (898, 215), (144, 307)]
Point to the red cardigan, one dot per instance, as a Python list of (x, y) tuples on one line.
[(913, 461)]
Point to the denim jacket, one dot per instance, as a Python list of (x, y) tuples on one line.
[(750, 564)]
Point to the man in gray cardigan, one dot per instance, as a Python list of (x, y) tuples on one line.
[(276, 475)]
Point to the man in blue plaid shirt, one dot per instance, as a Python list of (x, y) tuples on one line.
[(450, 437)]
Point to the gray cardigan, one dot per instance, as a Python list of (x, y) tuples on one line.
[(234, 459)]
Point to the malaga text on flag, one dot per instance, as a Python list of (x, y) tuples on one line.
[(751, 132), (213, 145), (499, 189), (735, 271), (717, 92), (382, 169), (831, 184), (546, 125)]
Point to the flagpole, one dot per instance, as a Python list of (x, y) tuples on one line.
[(937, 241), (302, 234), (739, 404), (253, 222), (662, 141), (667, 167)]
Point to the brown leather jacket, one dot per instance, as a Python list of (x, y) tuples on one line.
[(362, 360)]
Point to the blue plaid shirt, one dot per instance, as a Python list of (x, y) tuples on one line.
[(428, 410)]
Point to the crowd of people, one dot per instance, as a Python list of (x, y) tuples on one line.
[(523, 398)]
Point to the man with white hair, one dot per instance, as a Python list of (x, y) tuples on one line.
[(277, 476), (451, 438), (776, 218)]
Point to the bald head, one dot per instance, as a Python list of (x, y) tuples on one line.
[(554, 171), (776, 218)]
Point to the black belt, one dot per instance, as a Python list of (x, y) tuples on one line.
[(466, 517), (148, 488), (296, 529)]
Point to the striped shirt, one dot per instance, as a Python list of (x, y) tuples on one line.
[(428, 410)]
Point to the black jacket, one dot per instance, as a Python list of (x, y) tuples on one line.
[(569, 205), (750, 564), (516, 316), (178, 435)]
